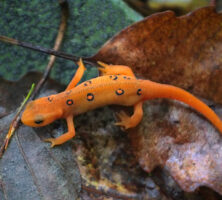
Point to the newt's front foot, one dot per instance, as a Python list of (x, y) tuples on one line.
[(125, 120), (115, 69), (53, 141), (105, 69)]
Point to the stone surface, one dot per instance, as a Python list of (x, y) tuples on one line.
[(91, 24)]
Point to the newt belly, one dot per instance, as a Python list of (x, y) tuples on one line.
[(110, 89)]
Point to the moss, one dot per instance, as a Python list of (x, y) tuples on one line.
[(91, 24)]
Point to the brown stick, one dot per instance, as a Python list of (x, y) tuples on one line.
[(38, 48)]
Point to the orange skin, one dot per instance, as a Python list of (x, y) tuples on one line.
[(118, 86)]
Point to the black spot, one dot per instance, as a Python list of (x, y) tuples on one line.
[(90, 97), (115, 78), (87, 82), (125, 77), (119, 92), (38, 121), (139, 92), (69, 102), (50, 99)]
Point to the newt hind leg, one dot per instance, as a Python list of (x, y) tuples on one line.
[(125, 120), (130, 122)]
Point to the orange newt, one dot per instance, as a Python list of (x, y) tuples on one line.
[(117, 86)]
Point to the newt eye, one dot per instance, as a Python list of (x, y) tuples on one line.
[(39, 119)]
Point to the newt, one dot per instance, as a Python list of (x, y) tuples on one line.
[(117, 86)]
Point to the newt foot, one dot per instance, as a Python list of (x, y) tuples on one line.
[(125, 120), (104, 69), (52, 140)]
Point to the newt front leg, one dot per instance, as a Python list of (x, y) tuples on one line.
[(78, 75), (66, 136)]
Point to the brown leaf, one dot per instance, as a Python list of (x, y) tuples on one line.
[(106, 162), (183, 142), (183, 51), (186, 52)]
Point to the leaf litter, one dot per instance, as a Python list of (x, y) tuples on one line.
[(183, 51)]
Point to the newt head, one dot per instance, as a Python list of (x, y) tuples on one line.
[(40, 112)]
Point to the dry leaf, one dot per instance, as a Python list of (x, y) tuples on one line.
[(183, 142), (183, 51), (186, 52), (29, 168)]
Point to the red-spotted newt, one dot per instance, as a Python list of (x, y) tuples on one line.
[(117, 85)]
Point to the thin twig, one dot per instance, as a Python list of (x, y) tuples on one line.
[(38, 48), (105, 193), (45, 50), (54, 52), (15, 122)]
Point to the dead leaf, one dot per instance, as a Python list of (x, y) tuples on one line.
[(183, 51), (106, 162), (29, 168), (181, 141), (186, 52)]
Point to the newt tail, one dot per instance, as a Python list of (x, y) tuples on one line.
[(158, 90)]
